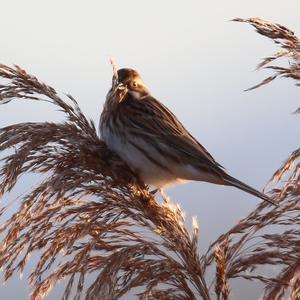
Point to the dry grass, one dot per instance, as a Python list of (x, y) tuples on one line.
[(269, 236), (290, 48), (221, 283), (91, 215)]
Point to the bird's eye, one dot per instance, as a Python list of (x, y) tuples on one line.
[(134, 84)]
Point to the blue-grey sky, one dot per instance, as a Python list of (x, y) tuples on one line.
[(193, 60)]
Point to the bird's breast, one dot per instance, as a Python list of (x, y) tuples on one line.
[(140, 155)]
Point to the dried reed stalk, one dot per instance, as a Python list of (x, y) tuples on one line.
[(92, 216), (269, 236), (290, 49), (289, 43), (221, 283)]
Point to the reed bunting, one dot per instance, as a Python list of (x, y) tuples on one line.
[(153, 142)]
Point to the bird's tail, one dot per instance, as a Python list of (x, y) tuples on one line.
[(229, 180)]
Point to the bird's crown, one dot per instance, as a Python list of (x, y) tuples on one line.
[(127, 74)]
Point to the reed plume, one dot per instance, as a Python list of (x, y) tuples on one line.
[(269, 236), (90, 214), (94, 223)]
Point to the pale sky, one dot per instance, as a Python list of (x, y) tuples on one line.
[(193, 60)]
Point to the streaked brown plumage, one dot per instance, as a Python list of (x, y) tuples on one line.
[(153, 142)]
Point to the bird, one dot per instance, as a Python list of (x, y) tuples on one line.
[(153, 142)]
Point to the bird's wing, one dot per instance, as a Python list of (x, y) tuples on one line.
[(152, 119)]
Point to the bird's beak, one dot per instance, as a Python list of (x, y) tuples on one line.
[(121, 91), (121, 86)]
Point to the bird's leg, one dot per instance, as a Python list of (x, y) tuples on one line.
[(153, 192), (165, 197)]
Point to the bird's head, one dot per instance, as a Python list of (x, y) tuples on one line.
[(130, 80)]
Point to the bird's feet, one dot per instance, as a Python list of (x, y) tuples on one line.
[(153, 192)]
